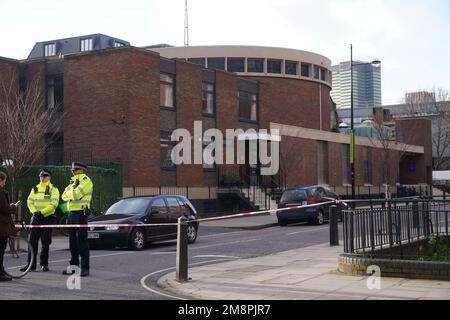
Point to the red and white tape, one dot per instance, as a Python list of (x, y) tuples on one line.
[(244, 214)]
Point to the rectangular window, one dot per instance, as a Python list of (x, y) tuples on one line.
[(208, 97), (118, 44), (316, 72), (367, 173), (322, 162), (166, 90), (216, 63), (166, 146), (236, 64), (290, 67), (322, 74), (55, 93), (306, 70), (86, 44), (255, 65), (248, 106), (50, 49), (274, 66), (199, 61), (208, 160), (345, 164)]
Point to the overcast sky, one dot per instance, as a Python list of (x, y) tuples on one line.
[(411, 38)]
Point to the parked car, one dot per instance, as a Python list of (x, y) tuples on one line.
[(143, 210), (305, 196)]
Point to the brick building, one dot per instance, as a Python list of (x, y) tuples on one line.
[(121, 103)]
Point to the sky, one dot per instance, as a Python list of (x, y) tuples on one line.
[(411, 38)]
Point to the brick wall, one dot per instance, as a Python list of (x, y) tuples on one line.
[(111, 101)]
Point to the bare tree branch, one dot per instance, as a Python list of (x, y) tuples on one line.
[(24, 123)]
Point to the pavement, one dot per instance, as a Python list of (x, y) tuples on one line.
[(308, 273)]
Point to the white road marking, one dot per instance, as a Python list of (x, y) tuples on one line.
[(225, 243), (304, 231), (167, 269), (214, 256)]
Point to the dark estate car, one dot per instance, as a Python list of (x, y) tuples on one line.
[(305, 196), (143, 210)]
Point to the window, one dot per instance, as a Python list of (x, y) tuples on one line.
[(322, 74), (55, 93), (216, 63), (305, 70), (159, 205), (236, 64), (274, 66), (247, 106), (118, 44), (166, 90), (367, 173), (199, 61), (86, 44), (209, 161), (255, 65), (322, 162), (174, 206), (50, 49), (345, 164), (290, 67), (208, 96), (166, 146), (316, 72)]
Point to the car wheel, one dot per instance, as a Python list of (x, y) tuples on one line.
[(319, 218), (137, 239), (282, 223), (191, 233)]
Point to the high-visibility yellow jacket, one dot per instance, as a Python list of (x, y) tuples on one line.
[(44, 198), (78, 193)]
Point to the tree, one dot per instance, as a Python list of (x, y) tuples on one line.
[(434, 105), (24, 125)]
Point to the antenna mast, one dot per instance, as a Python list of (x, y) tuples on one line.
[(186, 26)]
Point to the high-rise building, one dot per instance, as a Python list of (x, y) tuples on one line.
[(366, 85)]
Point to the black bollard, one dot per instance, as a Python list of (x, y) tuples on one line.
[(182, 252), (334, 231)]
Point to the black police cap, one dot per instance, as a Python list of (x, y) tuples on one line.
[(45, 173), (78, 165)]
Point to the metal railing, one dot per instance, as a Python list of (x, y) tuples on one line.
[(399, 228)]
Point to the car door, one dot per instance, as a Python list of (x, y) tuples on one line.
[(174, 213), (158, 214)]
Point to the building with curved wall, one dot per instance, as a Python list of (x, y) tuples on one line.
[(124, 102)]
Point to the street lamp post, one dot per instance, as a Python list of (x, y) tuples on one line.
[(375, 62)]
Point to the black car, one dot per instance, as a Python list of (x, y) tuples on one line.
[(143, 210), (300, 196)]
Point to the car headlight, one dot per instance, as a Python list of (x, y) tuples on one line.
[(113, 228)]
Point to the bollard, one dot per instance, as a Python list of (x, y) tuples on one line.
[(182, 251), (334, 231)]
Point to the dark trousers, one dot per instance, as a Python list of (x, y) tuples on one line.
[(78, 241), (3, 242), (45, 235)]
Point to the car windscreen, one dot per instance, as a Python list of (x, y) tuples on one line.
[(130, 206), (294, 196)]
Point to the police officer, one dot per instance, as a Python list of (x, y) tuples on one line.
[(78, 195), (42, 203)]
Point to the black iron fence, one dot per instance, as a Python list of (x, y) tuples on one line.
[(399, 228)]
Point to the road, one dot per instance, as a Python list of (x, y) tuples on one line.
[(124, 274)]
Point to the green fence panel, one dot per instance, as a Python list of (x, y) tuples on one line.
[(107, 180)]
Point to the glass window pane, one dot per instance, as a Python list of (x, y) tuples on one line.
[(216, 63), (165, 77), (305, 70), (199, 61), (166, 95), (291, 67), (255, 65), (274, 66), (236, 64), (208, 98), (248, 107)]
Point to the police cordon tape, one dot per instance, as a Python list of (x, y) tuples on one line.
[(245, 214)]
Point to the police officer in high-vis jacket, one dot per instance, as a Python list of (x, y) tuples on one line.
[(42, 203), (78, 195)]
